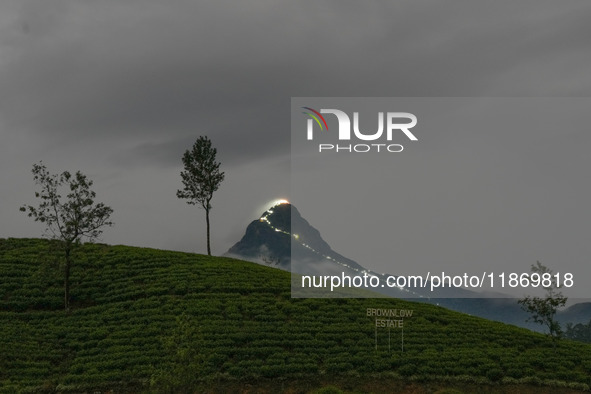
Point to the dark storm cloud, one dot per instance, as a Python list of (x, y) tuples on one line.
[(167, 73), (147, 72), (169, 153)]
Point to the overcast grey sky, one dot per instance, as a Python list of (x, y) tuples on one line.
[(119, 89)]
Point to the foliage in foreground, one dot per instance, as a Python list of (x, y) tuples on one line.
[(543, 310), (68, 219), (139, 314)]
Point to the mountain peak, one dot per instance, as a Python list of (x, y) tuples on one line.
[(267, 239), (270, 239)]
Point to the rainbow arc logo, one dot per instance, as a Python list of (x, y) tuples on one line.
[(317, 117)]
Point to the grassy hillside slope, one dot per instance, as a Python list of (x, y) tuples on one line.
[(142, 318)]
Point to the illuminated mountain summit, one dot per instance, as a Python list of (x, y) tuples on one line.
[(270, 240)]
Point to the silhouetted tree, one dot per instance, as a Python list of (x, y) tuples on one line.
[(68, 220), (201, 177), (543, 309)]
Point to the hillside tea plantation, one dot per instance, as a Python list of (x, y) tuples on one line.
[(146, 320)]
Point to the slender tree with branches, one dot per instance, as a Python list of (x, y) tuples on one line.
[(201, 178), (67, 219), (543, 310)]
